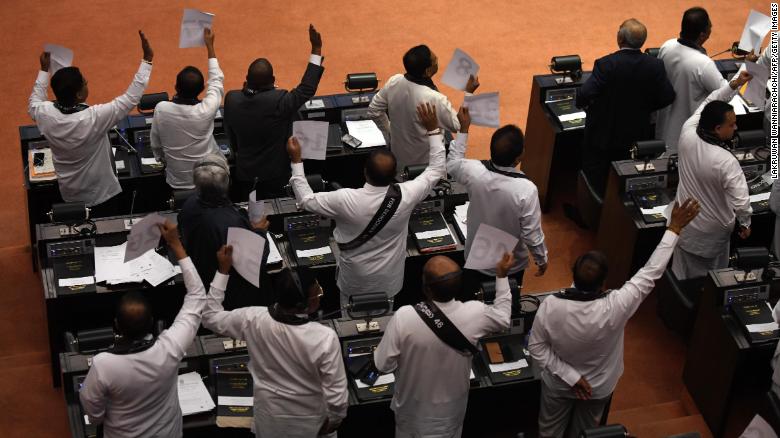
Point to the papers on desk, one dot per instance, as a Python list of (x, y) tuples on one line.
[(489, 246), (760, 197), (144, 235), (78, 281), (483, 109), (120, 165), (573, 116), (384, 379), (225, 400), (255, 208), (45, 171), (756, 28), (459, 69), (315, 104), (248, 248), (313, 138), (367, 132), (150, 266), (194, 398), (150, 161), (273, 252), (313, 252), (765, 327), (461, 215), (755, 90), (192, 24), (432, 233), (739, 105), (508, 366), (59, 57), (659, 209)]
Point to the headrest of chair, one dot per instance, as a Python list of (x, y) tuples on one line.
[(149, 101)]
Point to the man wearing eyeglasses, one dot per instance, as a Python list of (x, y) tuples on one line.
[(300, 388)]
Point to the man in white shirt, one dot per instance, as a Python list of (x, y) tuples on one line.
[(78, 133), (500, 196), (430, 399), (393, 107), (692, 74), (300, 388), (371, 263), (710, 173), (132, 390), (577, 335), (182, 130)]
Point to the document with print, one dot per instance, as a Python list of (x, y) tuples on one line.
[(756, 28), (256, 208), (59, 57), (459, 69), (483, 109), (144, 235), (192, 24), (313, 138), (248, 248), (489, 246)]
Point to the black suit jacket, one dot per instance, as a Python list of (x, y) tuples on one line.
[(619, 96), (259, 125), (204, 228)]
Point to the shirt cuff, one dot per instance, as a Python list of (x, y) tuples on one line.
[(315, 59), (43, 77), (145, 67), (571, 377), (186, 264), (297, 169), (670, 237), (502, 283), (436, 140), (220, 281), (213, 63), (462, 137)]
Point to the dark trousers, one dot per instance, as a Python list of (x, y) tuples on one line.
[(596, 163), (267, 189)]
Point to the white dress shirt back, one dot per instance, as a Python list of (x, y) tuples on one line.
[(79, 141), (183, 134), (394, 109), (297, 370), (509, 204), (430, 399), (135, 395), (712, 176), (572, 339), (377, 265), (693, 76)]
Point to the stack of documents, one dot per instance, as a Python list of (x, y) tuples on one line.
[(194, 398), (367, 132), (111, 268), (461, 213), (44, 172)]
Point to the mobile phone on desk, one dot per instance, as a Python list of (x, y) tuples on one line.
[(351, 141), (38, 159)]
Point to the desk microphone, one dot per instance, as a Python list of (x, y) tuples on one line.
[(734, 49), (127, 147), (132, 206)]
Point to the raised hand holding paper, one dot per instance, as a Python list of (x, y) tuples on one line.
[(755, 91), (144, 235), (192, 24), (256, 208), (248, 250), (756, 28), (483, 109), (313, 138), (459, 69), (489, 245), (60, 57)]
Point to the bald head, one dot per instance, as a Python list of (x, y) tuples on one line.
[(260, 74), (632, 34), (441, 279), (380, 168), (133, 317)]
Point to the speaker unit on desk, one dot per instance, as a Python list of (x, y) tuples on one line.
[(361, 82), (570, 67), (646, 151), (653, 51), (74, 216)]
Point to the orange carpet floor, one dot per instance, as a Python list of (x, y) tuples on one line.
[(511, 40)]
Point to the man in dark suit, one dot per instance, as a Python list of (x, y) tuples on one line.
[(258, 120), (619, 96)]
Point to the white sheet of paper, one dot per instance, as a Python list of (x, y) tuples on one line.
[(738, 104), (273, 252), (756, 28), (755, 93), (384, 379), (367, 132), (471, 375), (461, 216), (459, 69), (313, 252), (59, 56), (224, 400), (313, 137), (76, 281), (572, 116), (489, 245), (758, 428), (432, 233), (120, 165), (660, 209), (765, 327), (315, 104), (149, 161), (508, 366), (193, 395), (760, 197), (256, 208), (483, 109), (144, 235), (248, 248), (192, 24), (110, 266), (152, 267)]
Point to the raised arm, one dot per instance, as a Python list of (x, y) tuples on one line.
[(293, 100), (327, 204), (724, 93), (497, 316), (457, 165), (215, 317), (420, 187), (184, 328), (38, 95), (627, 299), (215, 89), (108, 114)]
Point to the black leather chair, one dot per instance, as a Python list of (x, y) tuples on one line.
[(678, 301), (588, 202)]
